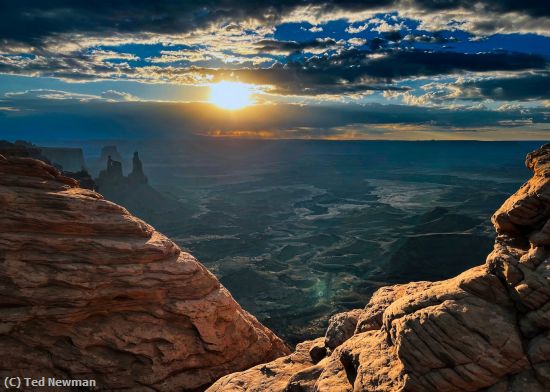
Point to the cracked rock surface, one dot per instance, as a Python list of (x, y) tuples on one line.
[(488, 329), (89, 291)]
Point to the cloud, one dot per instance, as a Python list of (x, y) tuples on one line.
[(355, 70), (119, 96), (38, 24), (532, 87), (385, 26), (357, 29), (9, 109), (45, 94), (318, 45), (37, 95), (315, 29), (515, 123), (518, 88), (357, 41), (431, 39), (401, 64), (173, 56), (106, 55)]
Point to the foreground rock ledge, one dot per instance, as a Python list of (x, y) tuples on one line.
[(487, 329), (88, 291)]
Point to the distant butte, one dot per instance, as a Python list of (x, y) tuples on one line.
[(133, 191)]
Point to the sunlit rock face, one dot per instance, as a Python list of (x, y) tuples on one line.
[(488, 329), (88, 291)]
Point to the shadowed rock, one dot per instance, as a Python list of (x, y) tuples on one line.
[(89, 291), (137, 175), (485, 330), (106, 152)]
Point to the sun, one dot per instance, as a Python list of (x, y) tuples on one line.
[(231, 95)]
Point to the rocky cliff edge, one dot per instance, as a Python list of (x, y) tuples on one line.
[(487, 329), (88, 291)]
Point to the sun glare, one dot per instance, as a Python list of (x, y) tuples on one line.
[(231, 95)]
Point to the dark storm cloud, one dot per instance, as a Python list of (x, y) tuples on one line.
[(393, 36), (420, 63), (523, 88), (529, 7), (355, 69), (75, 66), (30, 21), (271, 45)]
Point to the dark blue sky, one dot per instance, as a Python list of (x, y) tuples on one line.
[(466, 69)]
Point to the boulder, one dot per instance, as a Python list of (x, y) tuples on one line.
[(341, 327)]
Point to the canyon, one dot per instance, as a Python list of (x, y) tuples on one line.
[(488, 329), (88, 290)]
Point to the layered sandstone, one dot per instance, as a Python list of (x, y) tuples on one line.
[(487, 329), (88, 291)]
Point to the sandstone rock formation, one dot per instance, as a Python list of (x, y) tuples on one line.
[(137, 176), (487, 329), (88, 291), (135, 194), (106, 152)]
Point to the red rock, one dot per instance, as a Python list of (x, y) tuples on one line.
[(89, 291)]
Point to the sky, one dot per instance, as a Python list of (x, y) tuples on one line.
[(368, 69)]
